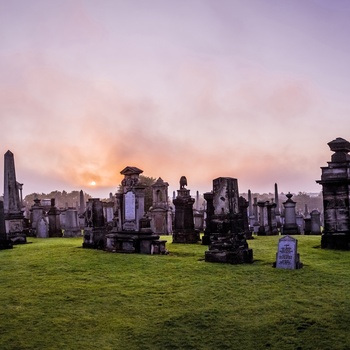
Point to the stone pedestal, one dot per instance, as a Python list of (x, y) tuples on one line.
[(184, 231), (72, 228), (5, 242), (290, 226)]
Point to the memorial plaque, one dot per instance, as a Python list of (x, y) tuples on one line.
[(130, 212), (287, 256)]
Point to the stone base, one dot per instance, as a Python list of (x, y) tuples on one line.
[(136, 242), (290, 229), (72, 233), (206, 239), (339, 241), (186, 237), (240, 256), (19, 238), (94, 238), (6, 244)]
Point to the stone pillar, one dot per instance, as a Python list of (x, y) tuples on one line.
[(5, 243), (256, 224), (277, 208), (271, 218), (264, 229), (54, 221), (14, 219), (37, 211), (184, 231), (290, 226), (208, 196)]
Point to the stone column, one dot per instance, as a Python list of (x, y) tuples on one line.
[(54, 221), (290, 226)]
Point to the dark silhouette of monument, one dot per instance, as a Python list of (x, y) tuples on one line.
[(14, 219), (335, 181)]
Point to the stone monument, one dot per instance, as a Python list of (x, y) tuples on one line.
[(54, 220), (5, 243), (335, 181), (72, 228), (95, 228), (287, 256), (227, 224), (184, 231), (160, 208), (14, 219), (290, 226), (136, 235)]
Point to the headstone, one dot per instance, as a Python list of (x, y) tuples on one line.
[(315, 222), (335, 181), (287, 256), (264, 229), (37, 211), (42, 230), (72, 228)]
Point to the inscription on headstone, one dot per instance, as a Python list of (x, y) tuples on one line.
[(287, 256), (130, 206)]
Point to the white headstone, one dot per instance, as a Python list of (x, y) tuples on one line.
[(287, 256)]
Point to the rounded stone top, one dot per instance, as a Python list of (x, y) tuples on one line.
[(339, 145)]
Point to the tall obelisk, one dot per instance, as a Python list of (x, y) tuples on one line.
[(14, 220)]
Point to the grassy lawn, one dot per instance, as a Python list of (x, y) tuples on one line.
[(56, 295)]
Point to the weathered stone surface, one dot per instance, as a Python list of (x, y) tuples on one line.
[(5, 242), (287, 256), (54, 221), (290, 226), (227, 224), (184, 231), (335, 181)]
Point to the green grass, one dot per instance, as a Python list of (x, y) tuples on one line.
[(56, 295)]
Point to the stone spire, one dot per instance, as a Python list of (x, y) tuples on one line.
[(12, 203)]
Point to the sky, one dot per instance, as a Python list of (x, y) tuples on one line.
[(249, 89)]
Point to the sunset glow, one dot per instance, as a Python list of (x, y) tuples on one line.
[(201, 89)]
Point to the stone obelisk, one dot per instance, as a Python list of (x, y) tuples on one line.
[(14, 219)]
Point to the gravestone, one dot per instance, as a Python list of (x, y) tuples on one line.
[(42, 230), (184, 231), (14, 219), (335, 181), (37, 211), (227, 224), (95, 228), (72, 228), (287, 256), (315, 222), (54, 220), (5, 243)]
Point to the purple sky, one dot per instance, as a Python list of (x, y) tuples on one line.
[(251, 89)]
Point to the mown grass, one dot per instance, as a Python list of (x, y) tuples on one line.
[(56, 295)]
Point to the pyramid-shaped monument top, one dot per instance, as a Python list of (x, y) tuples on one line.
[(339, 145), (131, 170)]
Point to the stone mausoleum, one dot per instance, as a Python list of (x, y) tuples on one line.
[(335, 181)]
